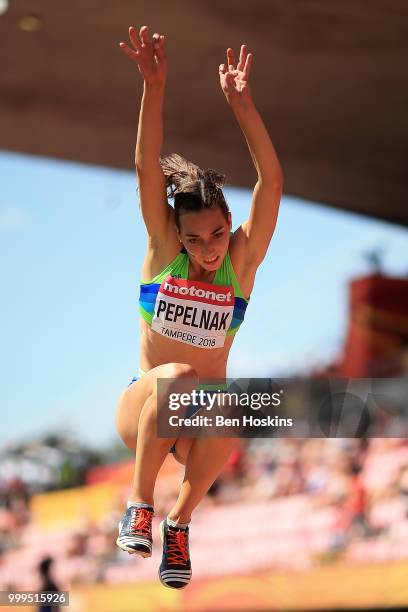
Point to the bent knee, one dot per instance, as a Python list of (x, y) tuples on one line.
[(179, 371), (127, 438), (127, 433), (129, 441)]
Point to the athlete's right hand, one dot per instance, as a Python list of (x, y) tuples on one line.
[(149, 55)]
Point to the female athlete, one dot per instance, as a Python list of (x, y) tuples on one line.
[(198, 277)]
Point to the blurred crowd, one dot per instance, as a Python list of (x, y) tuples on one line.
[(353, 477), (350, 475), (50, 463), (14, 512)]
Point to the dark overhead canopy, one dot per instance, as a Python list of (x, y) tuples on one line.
[(329, 77)]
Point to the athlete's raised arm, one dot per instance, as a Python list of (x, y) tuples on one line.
[(259, 227), (150, 57)]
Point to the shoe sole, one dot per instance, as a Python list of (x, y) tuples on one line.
[(131, 551), (160, 578)]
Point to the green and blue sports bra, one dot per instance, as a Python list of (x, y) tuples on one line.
[(194, 312)]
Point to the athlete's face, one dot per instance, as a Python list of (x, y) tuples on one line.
[(205, 235)]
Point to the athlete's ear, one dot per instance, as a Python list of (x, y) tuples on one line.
[(230, 220), (178, 234)]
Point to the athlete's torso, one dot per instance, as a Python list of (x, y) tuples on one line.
[(194, 318)]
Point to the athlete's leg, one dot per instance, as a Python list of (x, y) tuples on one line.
[(182, 449), (182, 446), (136, 422), (204, 463)]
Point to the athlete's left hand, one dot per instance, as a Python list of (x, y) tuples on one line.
[(234, 78)]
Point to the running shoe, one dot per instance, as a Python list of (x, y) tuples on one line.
[(175, 569), (135, 531)]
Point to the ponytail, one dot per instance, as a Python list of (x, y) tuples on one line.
[(192, 188)]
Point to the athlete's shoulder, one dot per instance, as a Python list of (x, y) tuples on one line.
[(159, 256), (238, 249), (244, 267)]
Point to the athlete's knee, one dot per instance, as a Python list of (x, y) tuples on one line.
[(128, 435), (129, 438), (176, 378), (180, 371), (129, 441)]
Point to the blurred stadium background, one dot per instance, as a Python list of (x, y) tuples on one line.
[(291, 524)]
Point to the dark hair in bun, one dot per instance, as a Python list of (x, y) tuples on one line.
[(192, 188)]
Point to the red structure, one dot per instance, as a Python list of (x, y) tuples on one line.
[(376, 342)]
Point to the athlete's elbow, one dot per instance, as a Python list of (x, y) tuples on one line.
[(279, 179), (139, 165), (145, 161), (273, 181), (147, 168)]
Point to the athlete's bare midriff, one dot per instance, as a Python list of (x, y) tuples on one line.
[(156, 350)]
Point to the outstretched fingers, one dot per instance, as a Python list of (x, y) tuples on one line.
[(242, 57), (130, 52), (144, 35), (247, 65), (133, 38), (244, 62), (140, 40), (230, 59)]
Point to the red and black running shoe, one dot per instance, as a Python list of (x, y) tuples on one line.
[(135, 531), (175, 569)]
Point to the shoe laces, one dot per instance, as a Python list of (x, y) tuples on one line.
[(177, 547), (141, 521)]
